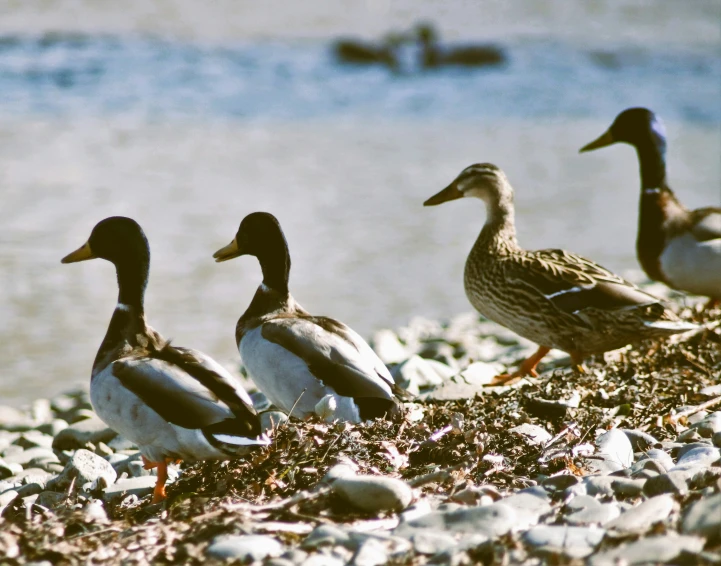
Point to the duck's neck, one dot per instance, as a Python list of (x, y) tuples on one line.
[(127, 326), (652, 162), (498, 235), (275, 264)]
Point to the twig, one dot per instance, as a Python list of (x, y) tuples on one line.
[(300, 497), (290, 413), (673, 419)]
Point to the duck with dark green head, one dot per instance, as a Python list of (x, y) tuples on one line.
[(675, 245), (305, 364), (174, 403)]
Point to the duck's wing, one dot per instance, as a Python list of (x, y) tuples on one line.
[(183, 390), (706, 223), (573, 283), (334, 354)]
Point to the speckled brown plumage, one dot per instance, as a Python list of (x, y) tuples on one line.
[(552, 297)]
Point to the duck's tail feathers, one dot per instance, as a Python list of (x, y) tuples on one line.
[(262, 440)]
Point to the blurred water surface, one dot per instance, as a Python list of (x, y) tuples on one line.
[(188, 119)]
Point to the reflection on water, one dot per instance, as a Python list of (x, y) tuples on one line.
[(188, 138)]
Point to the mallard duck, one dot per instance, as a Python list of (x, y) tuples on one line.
[(358, 52), (433, 55), (174, 403), (553, 297), (677, 246), (295, 358)]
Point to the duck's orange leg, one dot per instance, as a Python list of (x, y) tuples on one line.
[(527, 367), (159, 491)]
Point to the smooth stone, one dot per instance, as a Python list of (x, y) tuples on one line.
[(416, 373), (136, 469), (78, 434), (535, 434), (711, 390), (9, 470), (582, 502), (94, 512), (708, 426), (673, 482), (480, 373), (326, 535), (645, 474), (244, 547), (651, 464), (371, 552), (643, 516), (560, 482), (31, 488), (529, 505), (34, 439), (700, 456), (604, 466), (374, 493), (345, 470), (120, 443), (388, 347), (690, 435), (717, 440), (269, 420), (41, 411), (139, 487), (704, 519), (260, 401), (13, 419), (570, 542), (490, 520), (640, 440), (600, 485), (6, 498), (602, 514), (323, 560), (84, 467), (24, 457), (431, 543), (625, 487), (54, 427), (615, 446), (653, 550)]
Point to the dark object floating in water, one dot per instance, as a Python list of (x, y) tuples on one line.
[(358, 52), (473, 55)]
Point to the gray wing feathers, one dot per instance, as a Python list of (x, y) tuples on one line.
[(334, 358), (177, 397)]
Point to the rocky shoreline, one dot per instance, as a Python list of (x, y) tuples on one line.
[(620, 464)]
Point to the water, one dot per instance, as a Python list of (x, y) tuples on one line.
[(187, 121)]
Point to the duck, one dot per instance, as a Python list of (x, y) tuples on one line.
[(358, 52), (674, 245), (175, 403), (552, 297), (434, 56), (304, 364)]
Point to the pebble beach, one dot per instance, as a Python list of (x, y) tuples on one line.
[(619, 465)]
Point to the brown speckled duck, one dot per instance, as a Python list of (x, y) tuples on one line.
[(675, 245), (553, 297), (174, 403)]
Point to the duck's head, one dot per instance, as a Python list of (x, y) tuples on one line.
[(635, 126), (259, 235), (481, 180), (426, 33), (117, 239)]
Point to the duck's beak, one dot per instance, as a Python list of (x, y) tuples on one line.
[(228, 252), (605, 139), (449, 193), (81, 254)]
